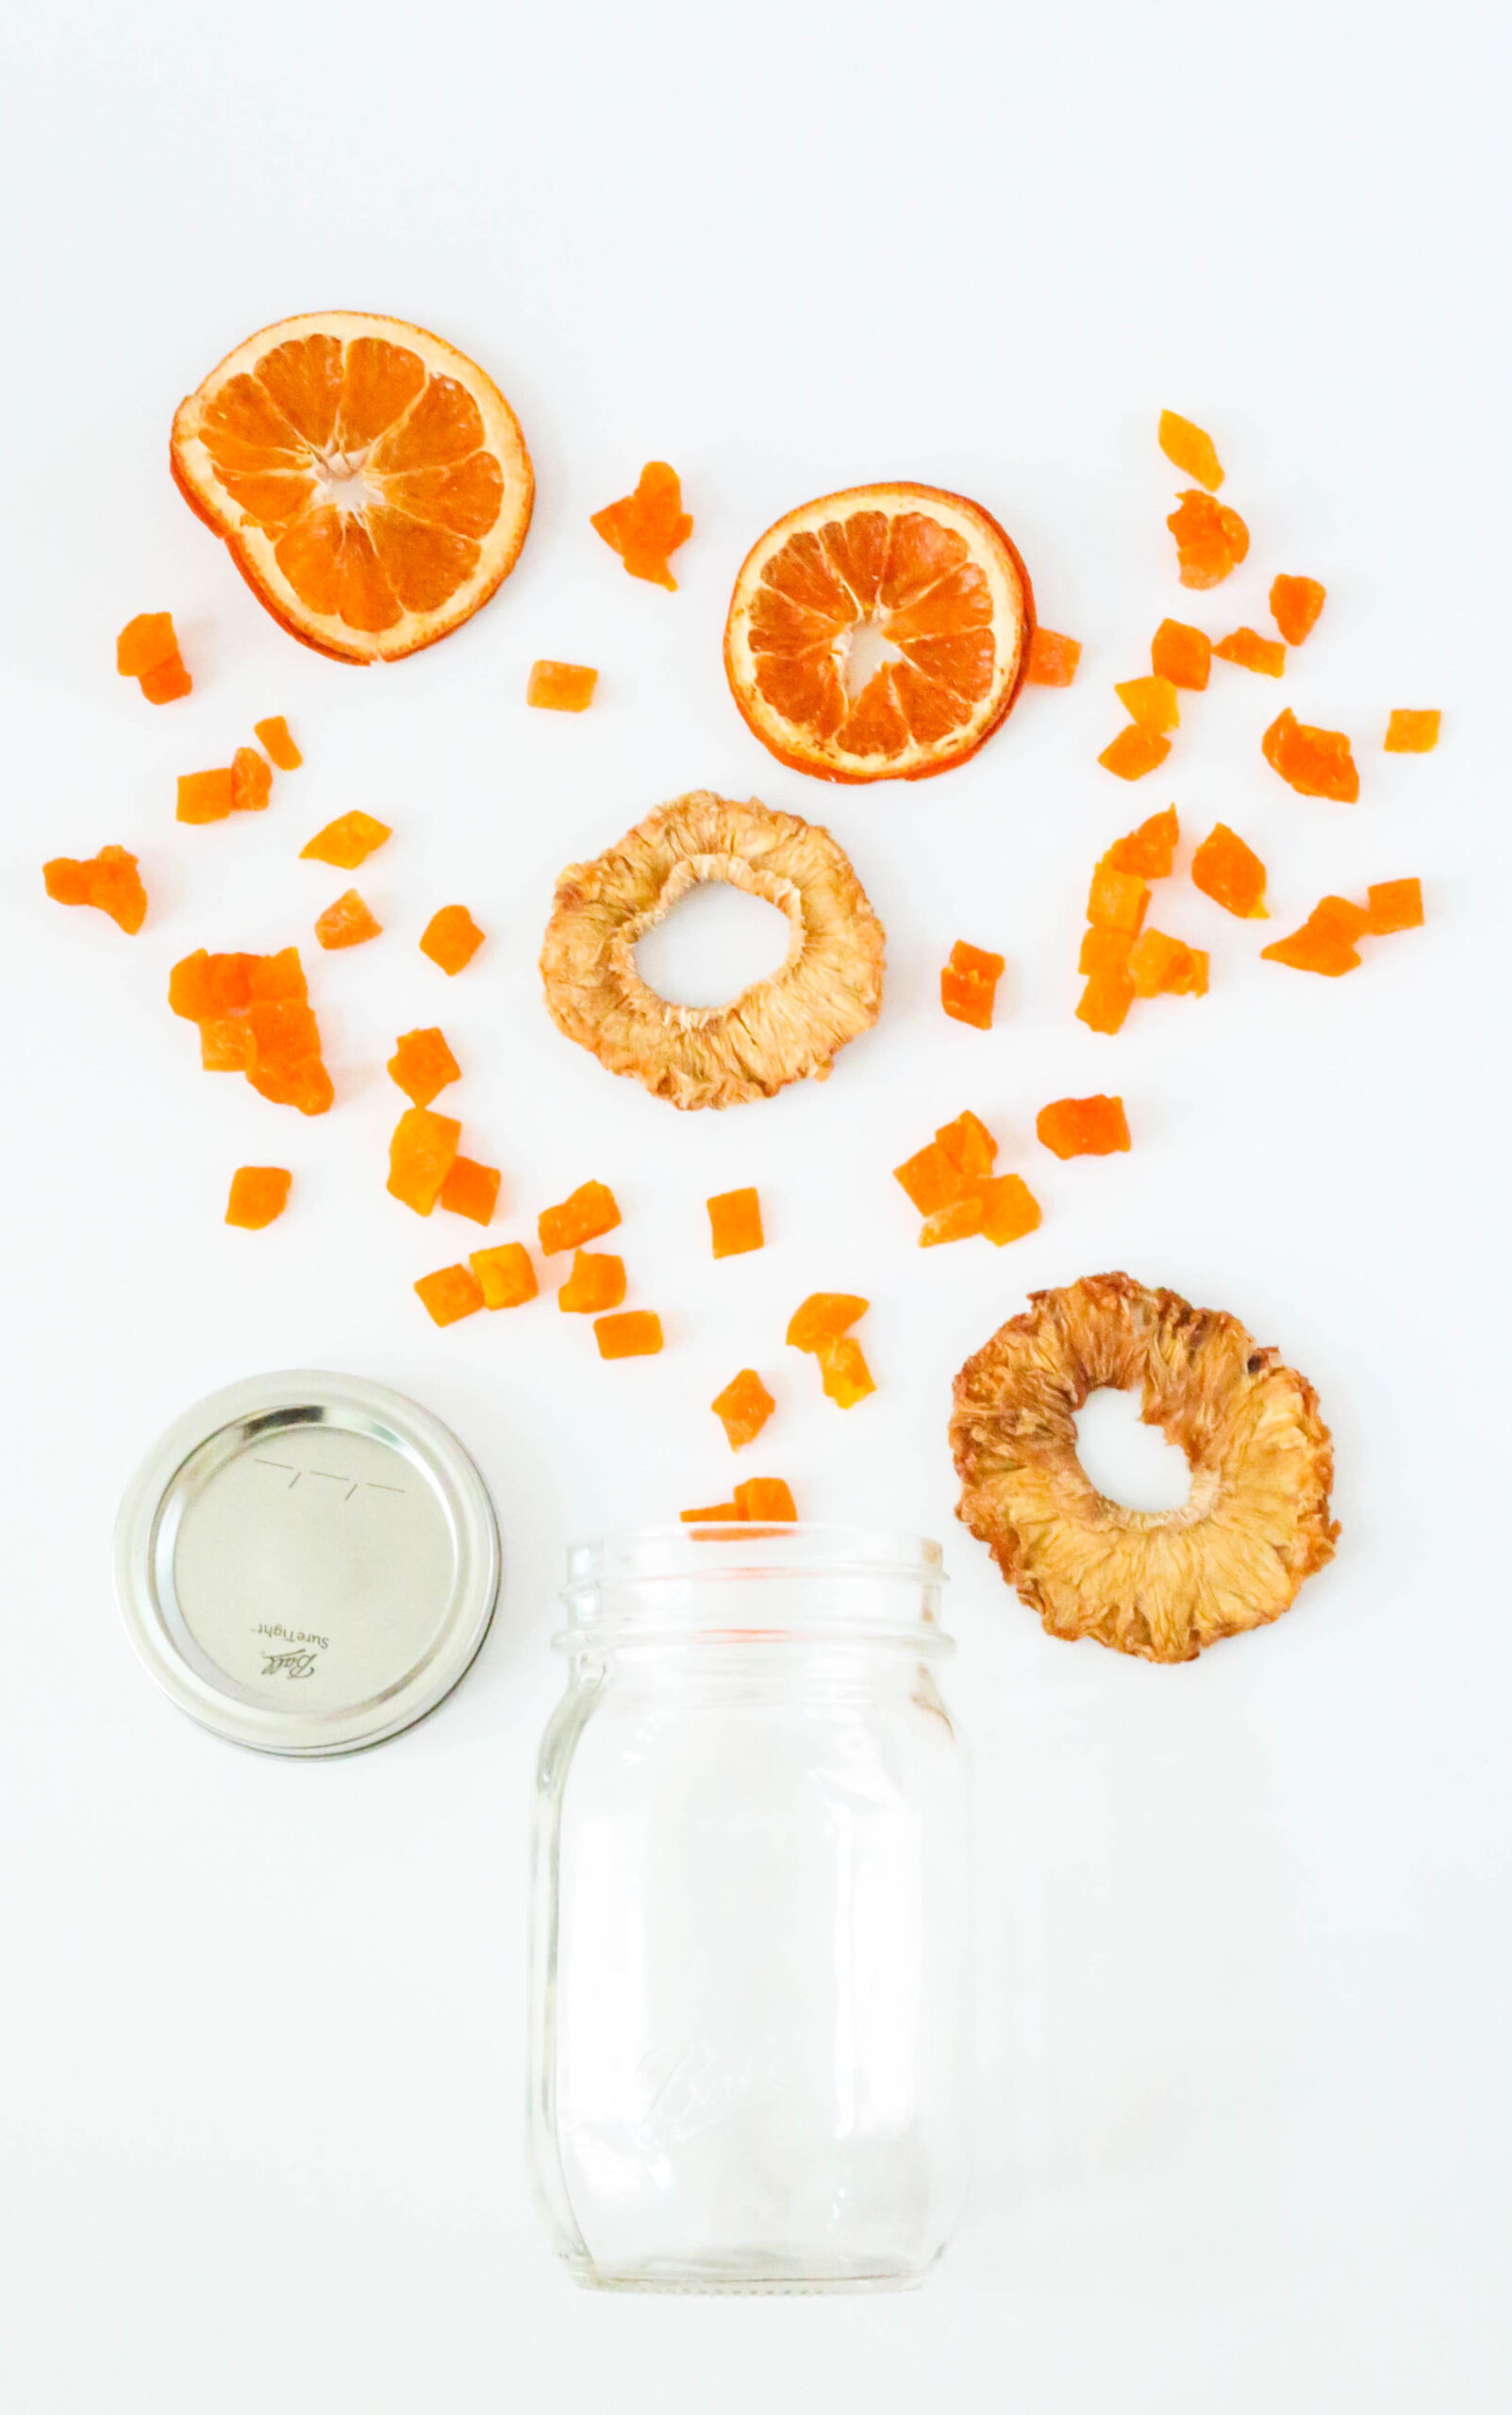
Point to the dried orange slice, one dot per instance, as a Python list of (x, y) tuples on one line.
[(371, 482), (880, 634)]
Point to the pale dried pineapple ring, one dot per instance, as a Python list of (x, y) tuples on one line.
[(1161, 1584), (778, 1030)]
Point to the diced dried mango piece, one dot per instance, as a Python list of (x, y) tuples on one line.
[(724, 1513), (1211, 539), (109, 880), (227, 1043), (471, 1189), (166, 681), (930, 1178), (452, 1292), (1133, 752), (1295, 604), (270, 978), (743, 1408), (595, 1283), (1315, 762), (206, 796), (1161, 966), (251, 780), (347, 841), (1107, 999), (1053, 659), (347, 923), (968, 1145), (1151, 850), (505, 1274), (735, 1221), (274, 734), (421, 1156), (451, 939), (1395, 905), (1412, 733), (1252, 652), (847, 1378), (646, 527), (634, 1333), (561, 687), (591, 1209), (957, 1220), (1225, 870), (1103, 951), (306, 1085), (258, 1193), (968, 985), (822, 1318), (1192, 449), (1117, 900), (1083, 1127), (421, 1064), (1325, 942), (1010, 1209), (253, 1017), (145, 642), (1181, 654), (768, 1498), (1150, 701), (201, 984)]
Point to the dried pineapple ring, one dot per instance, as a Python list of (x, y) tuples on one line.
[(1160, 1584), (778, 1030)]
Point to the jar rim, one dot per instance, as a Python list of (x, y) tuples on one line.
[(653, 1580)]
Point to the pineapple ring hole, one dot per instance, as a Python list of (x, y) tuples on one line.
[(1127, 1461), (713, 937)]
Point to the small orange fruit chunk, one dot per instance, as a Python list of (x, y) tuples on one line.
[(931, 1177), (822, 1318), (1315, 762), (1325, 942), (166, 682), (1133, 752), (595, 1283), (968, 1145), (634, 1333), (847, 1378), (347, 923), (957, 1220), (451, 939), (505, 1274), (421, 1064), (421, 1156), (258, 1193), (1107, 999), (1161, 966), (968, 985), (1010, 1209), (1412, 733), (1395, 905), (1181, 654), (743, 1408), (1210, 540), (471, 1189), (1105, 951), (251, 780), (452, 1292), (646, 527), (1150, 851), (765, 1498), (561, 687), (145, 642), (1225, 870), (589, 1210), (724, 1513), (1082, 1127), (1252, 652), (347, 841), (253, 1017), (274, 734), (206, 796), (109, 880), (1192, 449), (735, 1221), (1295, 604), (1117, 900), (1053, 659), (1150, 701)]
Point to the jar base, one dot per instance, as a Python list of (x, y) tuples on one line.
[(746, 2277)]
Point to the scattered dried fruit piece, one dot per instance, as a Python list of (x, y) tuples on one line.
[(561, 687), (253, 1017), (1252, 652), (1107, 997), (596, 1282), (505, 1275), (735, 1221), (765, 1498), (724, 1513), (1082, 1127), (1211, 539), (347, 923), (1395, 905), (471, 1189), (145, 642), (1412, 733), (421, 1064), (1325, 942), (742, 1408), (1151, 701), (586, 1214), (258, 1193), (646, 527), (959, 1220), (166, 682), (274, 734), (968, 985), (1192, 449), (1133, 752), (1161, 966), (1150, 851), (452, 1292), (931, 1177), (1295, 604), (1316, 762), (251, 781), (109, 880), (1010, 1209), (1117, 900), (634, 1333), (451, 939), (1105, 951), (1181, 654), (822, 1318), (347, 841), (1053, 659), (421, 1156), (1224, 869), (206, 796), (847, 1378), (968, 1145)]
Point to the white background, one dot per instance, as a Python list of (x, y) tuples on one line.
[(1243, 2134)]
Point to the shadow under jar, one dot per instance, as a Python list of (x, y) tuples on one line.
[(750, 1916)]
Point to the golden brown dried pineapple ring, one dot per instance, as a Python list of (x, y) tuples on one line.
[(1161, 1584), (828, 990)]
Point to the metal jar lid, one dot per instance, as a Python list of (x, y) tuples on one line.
[(307, 1563)]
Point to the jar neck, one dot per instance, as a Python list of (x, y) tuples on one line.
[(729, 1590)]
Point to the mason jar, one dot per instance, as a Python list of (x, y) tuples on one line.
[(750, 1915)]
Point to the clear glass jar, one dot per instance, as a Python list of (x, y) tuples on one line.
[(751, 1914)]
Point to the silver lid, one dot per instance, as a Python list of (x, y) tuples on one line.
[(307, 1563)]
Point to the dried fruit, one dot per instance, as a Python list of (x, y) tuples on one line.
[(1117, 900), (370, 483), (765, 1498), (1192, 449), (258, 1193), (1252, 652), (1412, 733), (1053, 659), (596, 1282), (452, 1292), (590, 1211), (968, 985), (1325, 942), (1295, 604), (1010, 1209), (1082, 1127), (958, 1219), (853, 576), (421, 1064), (1150, 851), (724, 1513), (1395, 905), (1316, 762), (1151, 701), (253, 1017), (147, 651), (931, 1177), (451, 939), (1133, 752), (505, 1275), (636, 1333), (1161, 966), (735, 1221), (1181, 654), (1105, 952), (561, 687), (847, 1378), (421, 1156), (166, 682), (206, 796), (822, 1318), (776, 1031), (346, 922), (471, 1189), (109, 880), (347, 841), (1211, 539), (251, 781), (646, 527), (1224, 869), (274, 734), (968, 1145), (1107, 997), (1160, 1584), (742, 1408)]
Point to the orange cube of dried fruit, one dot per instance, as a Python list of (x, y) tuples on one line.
[(646, 527), (1325, 942), (421, 1064), (1082, 1127), (1133, 752), (1211, 539), (505, 1275), (1295, 604), (421, 1156), (1010, 1209), (1117, 901), (251, 780), (1252, 652), (145, 642), (930, 1178), (1315, 762), (1181, 654), (957, 1220), (274, 734), (166, 681), (1231, 873), (847, 1378), (634, 1333), (258, 1193), (561, 687), (1150, 701), (347, 923), (765, 1498), (591, 1209), (206, 796), (968, 985), (969, 1144), (1395, 905), (595, 1283), (471, 1189), (347, 841), (822, 1318), (743, 1408), (1192, 449), (1107, 999), (227, 1044), (735, 1221), (1412, 733), (1150, 851), (452, 1292), (451, 939), (271, 977), (724, 1513), (109, 880), (1053, 659), (305, 1085), (1103, 951), (1161, 966)]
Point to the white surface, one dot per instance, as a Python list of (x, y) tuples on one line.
[(1244, 2132)]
